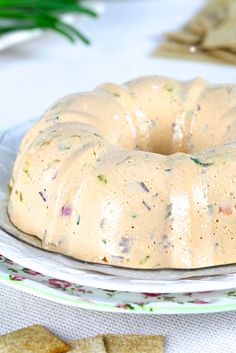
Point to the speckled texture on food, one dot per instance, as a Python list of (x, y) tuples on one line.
[(141, 175)]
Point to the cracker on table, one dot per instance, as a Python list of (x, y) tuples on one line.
[(209, 17), (225, 55), (223, 36), (133, 344), (184, 36), (88, 345), (209, 35), (174, 47), (32, 339)]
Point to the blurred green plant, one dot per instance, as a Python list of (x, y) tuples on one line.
[(17, 15)]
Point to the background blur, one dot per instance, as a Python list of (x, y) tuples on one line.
[(36, 73)]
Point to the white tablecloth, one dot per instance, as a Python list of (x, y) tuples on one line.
[(212, 333), (35, 74)]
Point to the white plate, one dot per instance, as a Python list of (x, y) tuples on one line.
[(68, 293), (65, 268)]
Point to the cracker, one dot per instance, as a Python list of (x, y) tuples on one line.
[(184, 36), (32, 339), (225, 55), (210, 34), (88, 345), (210, 16), (178, 48), (223, 36), (133, 344)]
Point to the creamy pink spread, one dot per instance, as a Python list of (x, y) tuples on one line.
[(138, 175)]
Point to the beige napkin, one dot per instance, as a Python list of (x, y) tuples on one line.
[(209, 35)]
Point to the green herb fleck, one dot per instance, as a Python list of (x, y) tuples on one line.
[(26, 167), (9, 188), (203, 164), (134, 215), (21, 197), (129, 306), (232, 293), (45, 142), (53, 163), (116, 94), (54, 118), (94, 153), (229, 89), (210, 209), (78, 220), (169, 88), (168, 210), (104, 241), (97, 135), (102, 178), (142, 262), (64, 146)]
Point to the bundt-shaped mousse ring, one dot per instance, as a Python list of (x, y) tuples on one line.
[(140, 175)]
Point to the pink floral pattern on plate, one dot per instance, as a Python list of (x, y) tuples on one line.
[(117, 300)]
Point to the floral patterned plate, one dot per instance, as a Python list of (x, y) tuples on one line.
[(68, 293)]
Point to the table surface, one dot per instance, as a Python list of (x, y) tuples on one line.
[(35, 74)]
